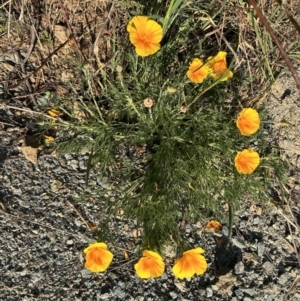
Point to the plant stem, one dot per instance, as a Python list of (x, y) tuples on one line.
[(230, 223)]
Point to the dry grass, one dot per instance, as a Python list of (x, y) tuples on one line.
[(88, 31)]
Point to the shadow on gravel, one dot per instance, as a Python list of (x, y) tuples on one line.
[(227, 258), (3, 155)]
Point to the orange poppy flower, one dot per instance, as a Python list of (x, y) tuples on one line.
[(248, 121), (48, 139), (213, 225), (198, 71), (190, 263), (218, 65), (98, 258), (145, 34), (53, 113), (246, 161), (150, 265)]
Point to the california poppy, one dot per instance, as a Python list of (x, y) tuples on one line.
[(218, 65), (98, 258), (150, 265), (198, 71), (54, 113), (145, 34), (48, 139), (246, 161), (248, 121), (190, 263), (213, 225)]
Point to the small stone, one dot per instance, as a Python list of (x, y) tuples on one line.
[(260, 249), (256, 220), (105, 296), (283, 279), (239, 268), (85, 273), (268, 266), (173, 295), (119, 293), (70, 242), (249, 292), (239, 293), (209, 292)]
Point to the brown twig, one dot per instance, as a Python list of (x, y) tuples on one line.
[(282, 51), (80, 216)]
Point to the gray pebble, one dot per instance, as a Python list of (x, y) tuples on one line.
[(256, 220), (260, 249), (239, 268), (239, 293), (249, 292), (85, 273), (105, 296), (268, 266), (283, 279), (118, 292), (173, 295), (209, 292)]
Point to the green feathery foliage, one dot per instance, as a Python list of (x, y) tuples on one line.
[(189, 136)]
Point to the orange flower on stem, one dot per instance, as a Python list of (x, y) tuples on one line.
[(150, 265), (213, 225), (190, 263), (54, 113), (48, 139), (198, 71), (246, 161), (145, 34), (248, 121), (218, 65), (98, 258)]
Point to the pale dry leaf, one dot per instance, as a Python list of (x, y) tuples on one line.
[(30, 153), (66, 76), (126, 256), (180, 286), (136, 233), (258, 210), (226, 282), (60, 32), (55, 185)]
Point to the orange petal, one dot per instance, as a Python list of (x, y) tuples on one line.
[(213, 225), (246, 161), (248, 121), (198, 71), (150, 265)]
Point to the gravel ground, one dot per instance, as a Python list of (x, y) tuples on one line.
[(44, 230)]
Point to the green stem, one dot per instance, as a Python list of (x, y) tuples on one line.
[(230, 223), (167, 17)]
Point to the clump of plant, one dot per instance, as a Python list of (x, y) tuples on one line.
[(166, 96)]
